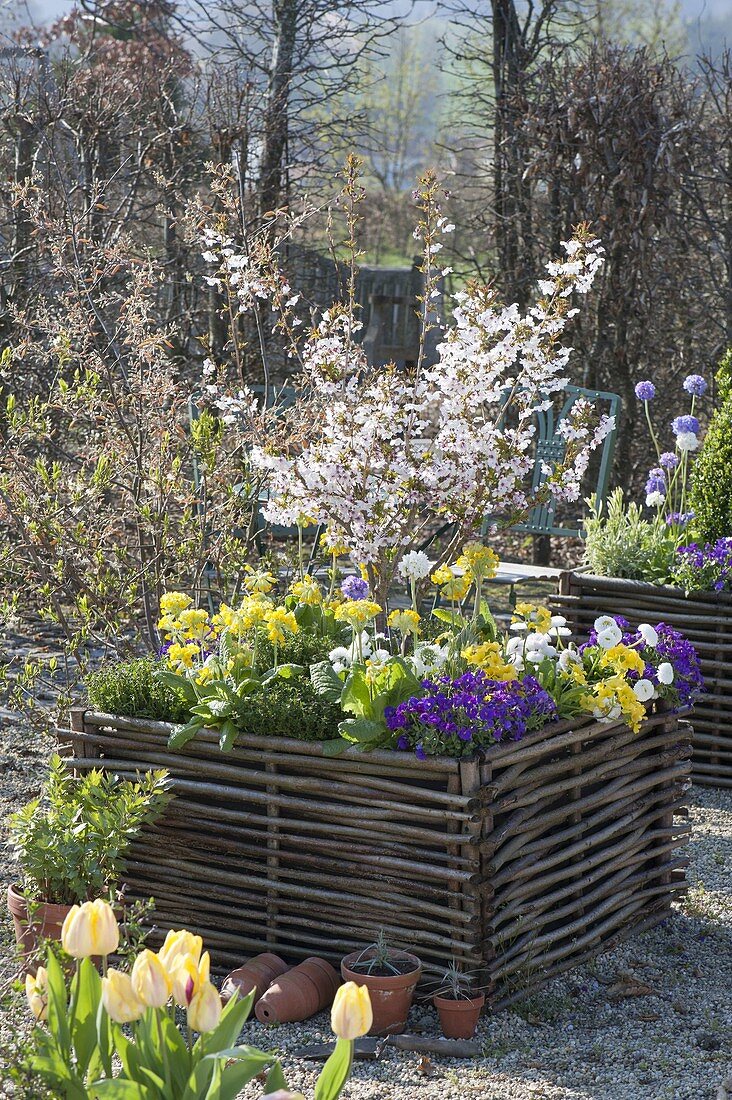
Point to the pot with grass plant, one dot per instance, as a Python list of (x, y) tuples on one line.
[(458, 1004), (70, 845), (391, 977)]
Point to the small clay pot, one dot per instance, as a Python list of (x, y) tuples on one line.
[(257, 974), (391, 994), (46, 923), (459, 1019), (298, 994)]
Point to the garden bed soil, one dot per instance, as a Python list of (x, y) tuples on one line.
[(518, 865), (705, 618)]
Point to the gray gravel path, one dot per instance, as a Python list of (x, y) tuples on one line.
[(650, 1020)]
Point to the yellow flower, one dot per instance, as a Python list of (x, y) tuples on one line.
[(172, 603), (357, 613), (624, 659), (187, 976), (577, 673), (334, 544), (118, 998), (363, 570), (225, 618), (204, 1011), (480, 560), (351, 1015), (304, 521), (90, 929), (308, 591), (181, 657), (252, 612), (406, 622), (169, 626), (204, 675), (538, 618), (194, 623), (150, 980), (258, 580), (489, 658), (443, 574), (36, 990), (457, 588), (179, 945), (280, 623)]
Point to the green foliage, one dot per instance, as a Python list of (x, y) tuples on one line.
[(711, 486), (365, 694), (131, 688), (71, 843), (304, 648), (624, 544)]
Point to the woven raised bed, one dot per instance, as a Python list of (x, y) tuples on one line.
[(706, 620), (519, 866)]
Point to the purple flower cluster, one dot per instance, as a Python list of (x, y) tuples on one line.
[(645, 391), (679, 519), (656, 481), (695, 385), (354, 588), (707, 567), (669, 460), (685, 424), (456, 717)]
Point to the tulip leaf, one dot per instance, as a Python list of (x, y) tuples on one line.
[(275, 1079), (119, 1089), (335, 1072), (86, 994), (58, 1023), (229, 1026)]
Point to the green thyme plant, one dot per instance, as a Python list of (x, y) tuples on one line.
[(131, 688), (711, 487), (70, 844)]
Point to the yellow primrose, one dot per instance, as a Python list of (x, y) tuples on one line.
[(406, 622), (280, 623), (169, 626), (480, 560), (623, 658), (253, 611), (225, 618), (457, 587), (204, 675), (258, 580), (172, 603), (489, 658), (357, 613), (577, 673), (183, 657), (307, 591), (194, 623), (538, 618), (443, 574)]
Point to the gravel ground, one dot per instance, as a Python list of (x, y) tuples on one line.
[(650, 1020)]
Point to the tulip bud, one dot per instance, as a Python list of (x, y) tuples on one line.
[(36, 990), (204, 1011), (179, 945), (187, 977), (351, 1015), (118, 998), (150, 981), (283, 1094), (90, 929)]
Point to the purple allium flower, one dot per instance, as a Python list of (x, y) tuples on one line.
[(695, 384), (669, 460), (685, 424), (645, 391), (656, 481), (457, 717), (355, 588)]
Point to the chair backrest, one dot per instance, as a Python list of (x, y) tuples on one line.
[(551, 449)]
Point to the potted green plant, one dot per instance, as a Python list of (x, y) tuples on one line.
[(457, 1004), (391, 977), (70, 844)]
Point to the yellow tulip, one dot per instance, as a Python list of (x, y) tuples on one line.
[(204, 1011), (150, 981), (118, 998), (188, 976), (36, 990), (179, 945), (351, 1014), (90, 929)]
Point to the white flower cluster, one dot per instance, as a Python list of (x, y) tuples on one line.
[(388, 447)]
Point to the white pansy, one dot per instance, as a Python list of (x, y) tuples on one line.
[(569, 657), (648, 634), (665, 673), (610, 636), (643, 690), (603, 622)]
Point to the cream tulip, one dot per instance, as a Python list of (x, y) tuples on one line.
[(179, 945), (204, 1011), (36, 990), (150, 981), (351, 1015), (119, 999), (187, 976), (90, 929)]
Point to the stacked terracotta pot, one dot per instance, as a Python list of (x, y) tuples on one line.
[(283, 995)]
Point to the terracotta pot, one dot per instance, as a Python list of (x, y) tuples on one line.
[(391, 994), (459, 1019), (257, 974), (46, 923), (298, 994)]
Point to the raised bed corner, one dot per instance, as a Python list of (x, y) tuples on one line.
[(518, 865)]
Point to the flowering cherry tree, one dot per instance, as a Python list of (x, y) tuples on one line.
[(386, 450)]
